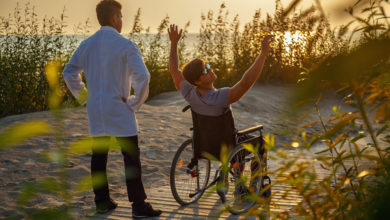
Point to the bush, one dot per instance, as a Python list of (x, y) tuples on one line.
[(357, 182), (27, 45), (356, 145)]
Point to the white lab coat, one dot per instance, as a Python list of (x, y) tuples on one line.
[(111, 64)]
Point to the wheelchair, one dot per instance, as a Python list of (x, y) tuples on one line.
[(242, 173)]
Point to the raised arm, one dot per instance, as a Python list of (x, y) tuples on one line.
[(174, 37), (252, 74)]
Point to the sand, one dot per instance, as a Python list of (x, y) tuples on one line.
[(163, 127)]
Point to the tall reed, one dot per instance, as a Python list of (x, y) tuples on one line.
[(231, 51), (355, 146), (26, 46)]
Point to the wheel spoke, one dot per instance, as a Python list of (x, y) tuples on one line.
[(185, 182), (240, 181)]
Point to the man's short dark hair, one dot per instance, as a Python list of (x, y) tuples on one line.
[(105, 9), (193, 70)]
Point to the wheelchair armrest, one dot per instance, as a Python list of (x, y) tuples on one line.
[(250, 139), (250, 130)]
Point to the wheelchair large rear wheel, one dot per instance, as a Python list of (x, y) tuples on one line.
[(188, 184), (242, 180)]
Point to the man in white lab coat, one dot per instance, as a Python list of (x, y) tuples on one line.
[(112, 64)]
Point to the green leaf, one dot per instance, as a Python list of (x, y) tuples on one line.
[(387, 139), (336, 109), (309, 124), (339, 126), (283, 132), (21, 132), (224, 154), (306, 188), (371, 157), (249, 147), (98, 178), (358, 138), (269, 142), (323, 151), (81, 146), (51, 185), (53, 156), (27, 193), (51, 213), (84, 185), (349, 171), (281, 154), (51, 71), (83, 97), (380, 131), (84, 145), (364, 149)]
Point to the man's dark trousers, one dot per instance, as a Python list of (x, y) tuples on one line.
[(131, 156)]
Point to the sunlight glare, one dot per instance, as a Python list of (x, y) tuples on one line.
[(295, 144), (291, 38)]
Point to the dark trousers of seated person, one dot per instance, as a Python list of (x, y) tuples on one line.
[(131, 156)]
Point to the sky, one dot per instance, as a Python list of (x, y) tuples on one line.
[(153, 11)]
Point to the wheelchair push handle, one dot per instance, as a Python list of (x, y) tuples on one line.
[(186, 108)]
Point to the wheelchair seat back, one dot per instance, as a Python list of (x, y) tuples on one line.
[(211, 132)]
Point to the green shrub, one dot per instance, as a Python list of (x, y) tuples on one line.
[(356, 152), (27, 45), (356, 185)]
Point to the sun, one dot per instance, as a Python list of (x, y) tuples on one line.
[(291, 38), (292, 42)]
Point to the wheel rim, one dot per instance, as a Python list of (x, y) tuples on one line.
[(241, 183), (188, 184)]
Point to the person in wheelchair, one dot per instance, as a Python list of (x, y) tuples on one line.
[(211, 107)]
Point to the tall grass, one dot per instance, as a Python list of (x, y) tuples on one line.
[(356, 144), (57, 185), (155, 51), (231, 50), (28, 44)]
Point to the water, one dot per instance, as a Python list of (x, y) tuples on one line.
[(71, 41), (191, 39)]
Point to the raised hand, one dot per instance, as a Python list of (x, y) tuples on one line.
[(265, 44), (174, 34)]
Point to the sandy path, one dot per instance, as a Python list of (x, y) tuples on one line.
[(163, 128)]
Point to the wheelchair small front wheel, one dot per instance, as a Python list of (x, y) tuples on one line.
[(188, 183)]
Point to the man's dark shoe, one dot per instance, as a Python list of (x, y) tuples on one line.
[(144, 211), (105, 206)]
